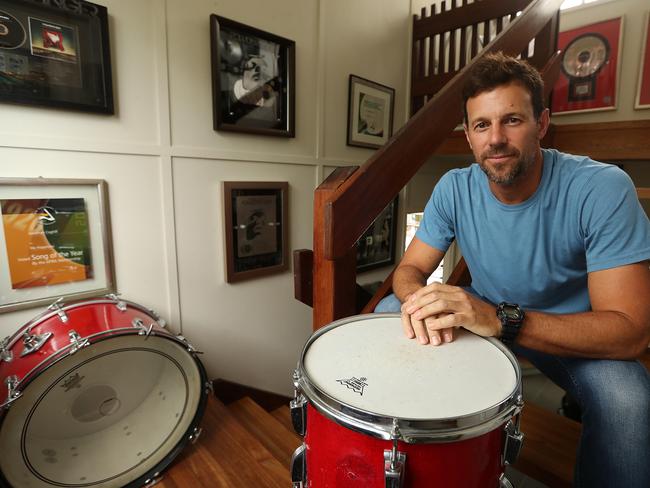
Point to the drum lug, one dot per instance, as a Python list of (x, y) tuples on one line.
[(5, 354), (194, 436), (394, 462), (119, 304), (77, 341), (298, 408), (59, 311), (514, 441), (161, 321), (12, 393), (504, 482), (299, 468), (190, 347), (33, 342), (152, 481), (142, 329)]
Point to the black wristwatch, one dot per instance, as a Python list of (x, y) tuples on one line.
[(512, 318)]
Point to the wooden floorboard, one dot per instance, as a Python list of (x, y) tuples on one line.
[(226, 455), (274, 436), (283, 415)]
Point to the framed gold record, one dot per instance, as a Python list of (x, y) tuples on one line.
[(12, 32), (589, 68)]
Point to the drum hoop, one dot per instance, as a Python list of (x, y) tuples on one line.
[(410, 430), (189, 436), (47, 314), (64, 352)]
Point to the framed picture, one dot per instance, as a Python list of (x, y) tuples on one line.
[(55, 241), (589, 68), (253, 79), (643, 86), (55, 54), (256, 228), (370, 113), (376, 247)]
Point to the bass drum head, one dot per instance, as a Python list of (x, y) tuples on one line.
[(110, 415)]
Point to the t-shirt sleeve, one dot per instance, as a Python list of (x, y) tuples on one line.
[(614, 226), (437, 226)]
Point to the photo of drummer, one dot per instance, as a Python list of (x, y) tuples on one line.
[(558, 247)]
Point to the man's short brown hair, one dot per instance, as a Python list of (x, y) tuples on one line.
[(494, 70)]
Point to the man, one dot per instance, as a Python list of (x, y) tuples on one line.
[(558, 248)]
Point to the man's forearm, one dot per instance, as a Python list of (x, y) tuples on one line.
[(406, 280), (601, 334)]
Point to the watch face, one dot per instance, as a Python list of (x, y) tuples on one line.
[(512, 313)]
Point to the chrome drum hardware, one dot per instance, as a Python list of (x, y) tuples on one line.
[(33, 342)]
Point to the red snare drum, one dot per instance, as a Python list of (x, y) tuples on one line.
[(97, 394), (380, 410)]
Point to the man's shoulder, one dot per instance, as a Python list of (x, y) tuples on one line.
[(573, 168)]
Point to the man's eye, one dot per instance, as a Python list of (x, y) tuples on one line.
[(513, 120), (480, 126)]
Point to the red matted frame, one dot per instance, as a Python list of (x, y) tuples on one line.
[(643, 87), (605, 81)]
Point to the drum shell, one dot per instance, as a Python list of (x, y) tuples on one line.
[(342, 458), (101, 320)]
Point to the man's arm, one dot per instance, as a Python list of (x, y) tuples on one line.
[(417, 264), (618, 327)]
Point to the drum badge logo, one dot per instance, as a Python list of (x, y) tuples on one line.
[(74, 381), (355, 384)]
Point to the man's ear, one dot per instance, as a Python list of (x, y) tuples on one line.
[(543, 123), (467, 136)]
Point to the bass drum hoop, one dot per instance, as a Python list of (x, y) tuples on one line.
[(188, 436), (411, 431)]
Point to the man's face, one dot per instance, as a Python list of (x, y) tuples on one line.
[(503, 132)]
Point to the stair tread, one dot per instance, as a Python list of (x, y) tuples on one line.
[(226, 455), (273, 435), (550, 443), (283, 415)]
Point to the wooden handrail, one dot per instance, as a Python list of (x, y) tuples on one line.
[(353, 206)]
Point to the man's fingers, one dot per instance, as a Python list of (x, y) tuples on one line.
[(434, 334), (406, 325)]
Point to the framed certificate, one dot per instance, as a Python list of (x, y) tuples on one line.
[(54, 241), (643, 86), (256, 229)]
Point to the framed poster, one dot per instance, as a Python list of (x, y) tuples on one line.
[(376, 247), (370, 113), (643, 86), (256, 228), (589, 68), (55, 241), (253, 79), (55, 54)]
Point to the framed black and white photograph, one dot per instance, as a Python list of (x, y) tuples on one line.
[(55, 241), (376, 247), (370, 113), (55, 54), (256, 216), (253, 79)]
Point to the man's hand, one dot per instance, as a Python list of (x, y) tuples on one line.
[(433, 312)]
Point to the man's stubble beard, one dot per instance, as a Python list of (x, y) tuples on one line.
[(521, 167)]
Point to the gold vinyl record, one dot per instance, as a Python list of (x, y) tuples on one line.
[(12, 33), (585, 56)]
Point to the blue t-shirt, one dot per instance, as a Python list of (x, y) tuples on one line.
[(585, 216)]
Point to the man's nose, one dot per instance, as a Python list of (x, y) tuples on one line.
[(497, 135)]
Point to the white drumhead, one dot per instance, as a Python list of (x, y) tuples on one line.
[(369, 364), (102, 417)]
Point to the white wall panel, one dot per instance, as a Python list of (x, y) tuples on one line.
[(251, 331)]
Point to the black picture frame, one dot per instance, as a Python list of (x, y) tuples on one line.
[(256, 228), (56, 55), (376, 247), (253, 79), (371, 109)]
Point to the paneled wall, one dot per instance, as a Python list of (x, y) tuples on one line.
[(165, 165)]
